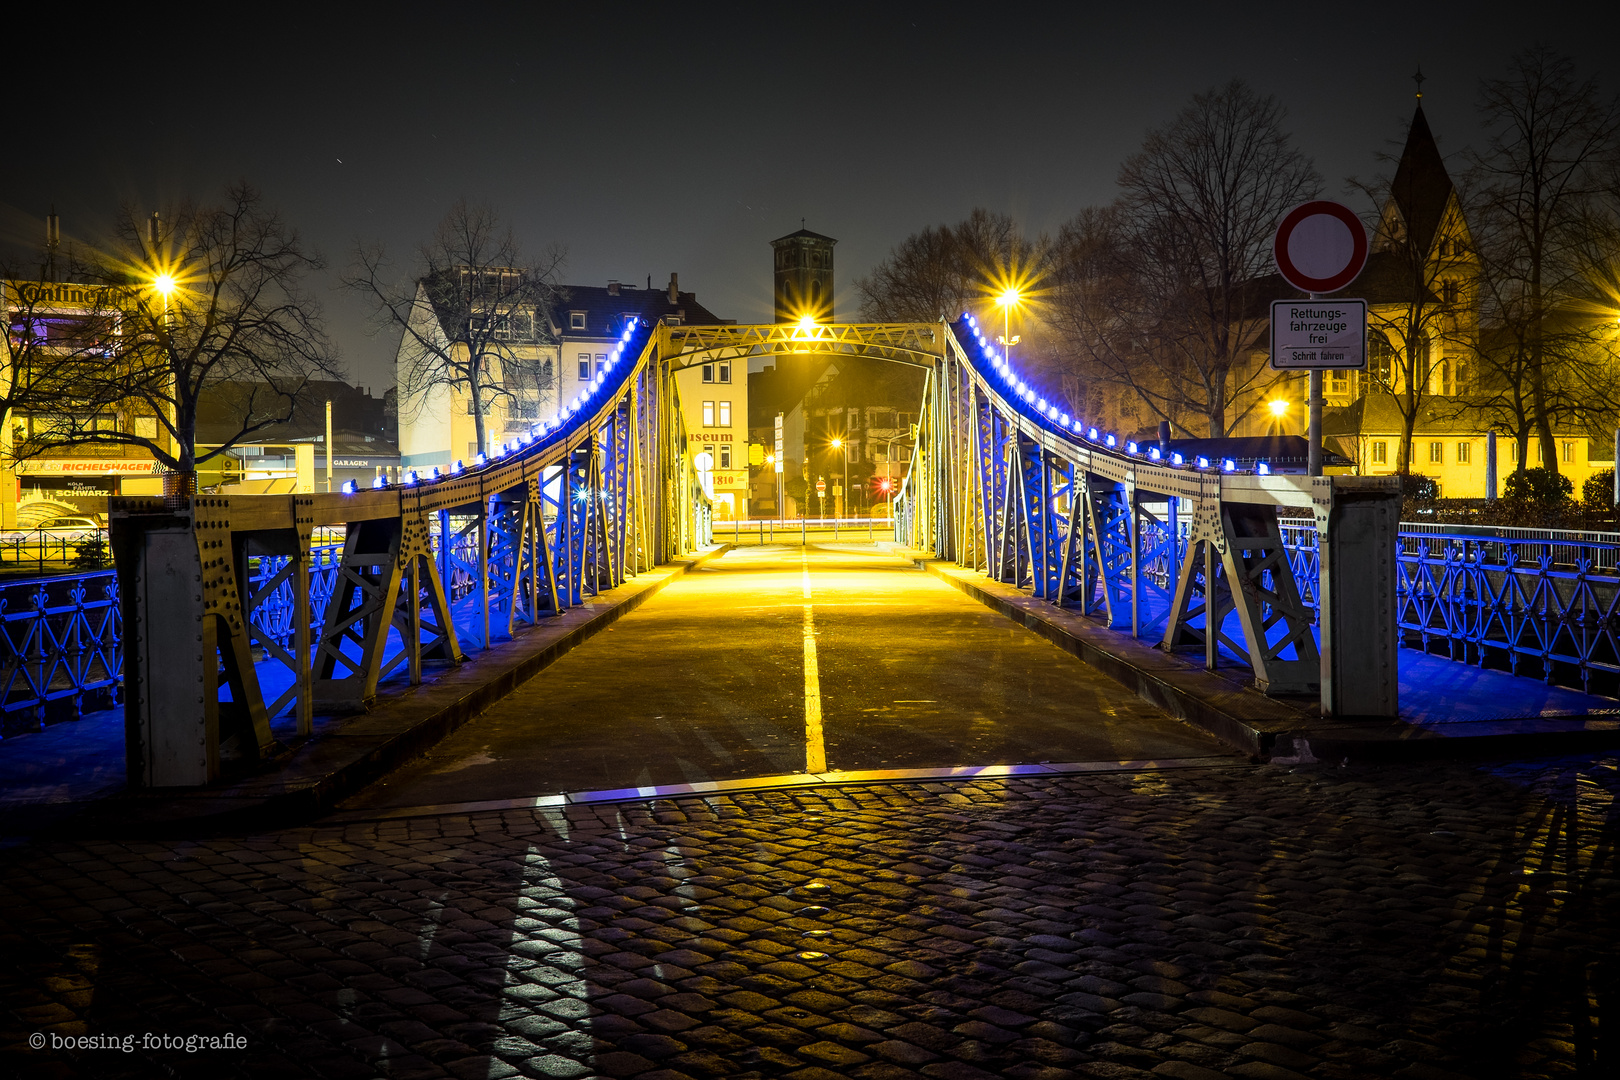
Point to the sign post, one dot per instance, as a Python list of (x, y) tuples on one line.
[(1320, 247)]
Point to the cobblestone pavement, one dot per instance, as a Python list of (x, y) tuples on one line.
[(1423, 921)]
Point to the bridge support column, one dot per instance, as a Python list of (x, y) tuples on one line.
[(1360, 670), (182, 607)]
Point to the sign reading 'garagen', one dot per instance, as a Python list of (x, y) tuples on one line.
[(1319, 334)]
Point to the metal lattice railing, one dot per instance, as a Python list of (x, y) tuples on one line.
[(1543, 610), (61, 641)]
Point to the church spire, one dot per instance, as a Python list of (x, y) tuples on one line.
[(1422, 186)]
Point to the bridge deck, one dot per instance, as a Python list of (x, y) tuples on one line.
[(707, 682)]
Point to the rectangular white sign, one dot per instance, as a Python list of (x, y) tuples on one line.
[(1319, 334)]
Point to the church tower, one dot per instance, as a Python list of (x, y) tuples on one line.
[(804, 276)]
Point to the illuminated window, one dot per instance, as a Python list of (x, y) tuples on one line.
[(1463, 452), (708, 414), (1437, 452), (1566, 451), (1380, 452), (725, 414)]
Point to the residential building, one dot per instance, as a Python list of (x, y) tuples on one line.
[(437, 423), (588, 319)]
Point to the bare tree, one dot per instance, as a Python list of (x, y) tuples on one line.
[(469, 314), (941, 271), (1540, 198), (202, 295), (1160, 294)]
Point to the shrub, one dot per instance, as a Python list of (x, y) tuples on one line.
[(1597, 494), (91, 553), (1539, 489)]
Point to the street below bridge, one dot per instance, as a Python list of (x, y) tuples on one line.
[(785, 659)]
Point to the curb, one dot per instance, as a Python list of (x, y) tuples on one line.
[(332, 771)]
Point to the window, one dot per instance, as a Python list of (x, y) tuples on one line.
[(708, 414), (576, 320), (1448, 293), (526, 409), (1437, 452), (1380, 358), (1380, 452), (1464, 451), (708, 373), (1513, 451), (725, 371), (725, 414), (601, 362), (1566, 451), (725, 457), (584, 367), (710, 451)]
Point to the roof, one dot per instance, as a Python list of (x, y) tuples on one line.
[(222, 407), (1379, 414), (1422, 187), (777, 389), (804, 234), (605, 310), (1277, 451)]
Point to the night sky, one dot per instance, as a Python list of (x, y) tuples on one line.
[(684, 137)]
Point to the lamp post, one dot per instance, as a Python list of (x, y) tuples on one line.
[(843, 492), (175, 485), (1007, 300)]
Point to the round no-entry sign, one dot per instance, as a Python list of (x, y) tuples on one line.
[(1320, 247)]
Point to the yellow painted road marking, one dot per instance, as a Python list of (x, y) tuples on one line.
[(815, 749)]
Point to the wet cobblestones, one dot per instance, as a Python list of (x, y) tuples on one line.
[(1420, 921)]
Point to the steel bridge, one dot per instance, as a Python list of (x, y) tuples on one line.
[(1191, 555), (231, 615)]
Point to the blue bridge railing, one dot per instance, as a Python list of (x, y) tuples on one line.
[(61, 647), (1544, 606)]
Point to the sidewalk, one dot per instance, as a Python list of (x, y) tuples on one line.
[(1447, 708), (72, 775)]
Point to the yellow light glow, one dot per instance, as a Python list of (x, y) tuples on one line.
[(770, 459), (164, 284), (807, 322), (1010, 298), (836, 443), (1278, 406)]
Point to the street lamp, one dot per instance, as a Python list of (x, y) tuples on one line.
[(1007, 300), (838, 444)]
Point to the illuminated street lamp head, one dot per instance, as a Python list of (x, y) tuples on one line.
[(836, 443), (1277, 406), (807, 322), (1009, 298), (164, 284)]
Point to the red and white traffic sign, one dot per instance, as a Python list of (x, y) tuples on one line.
[(1320, 247), (821, 489)]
